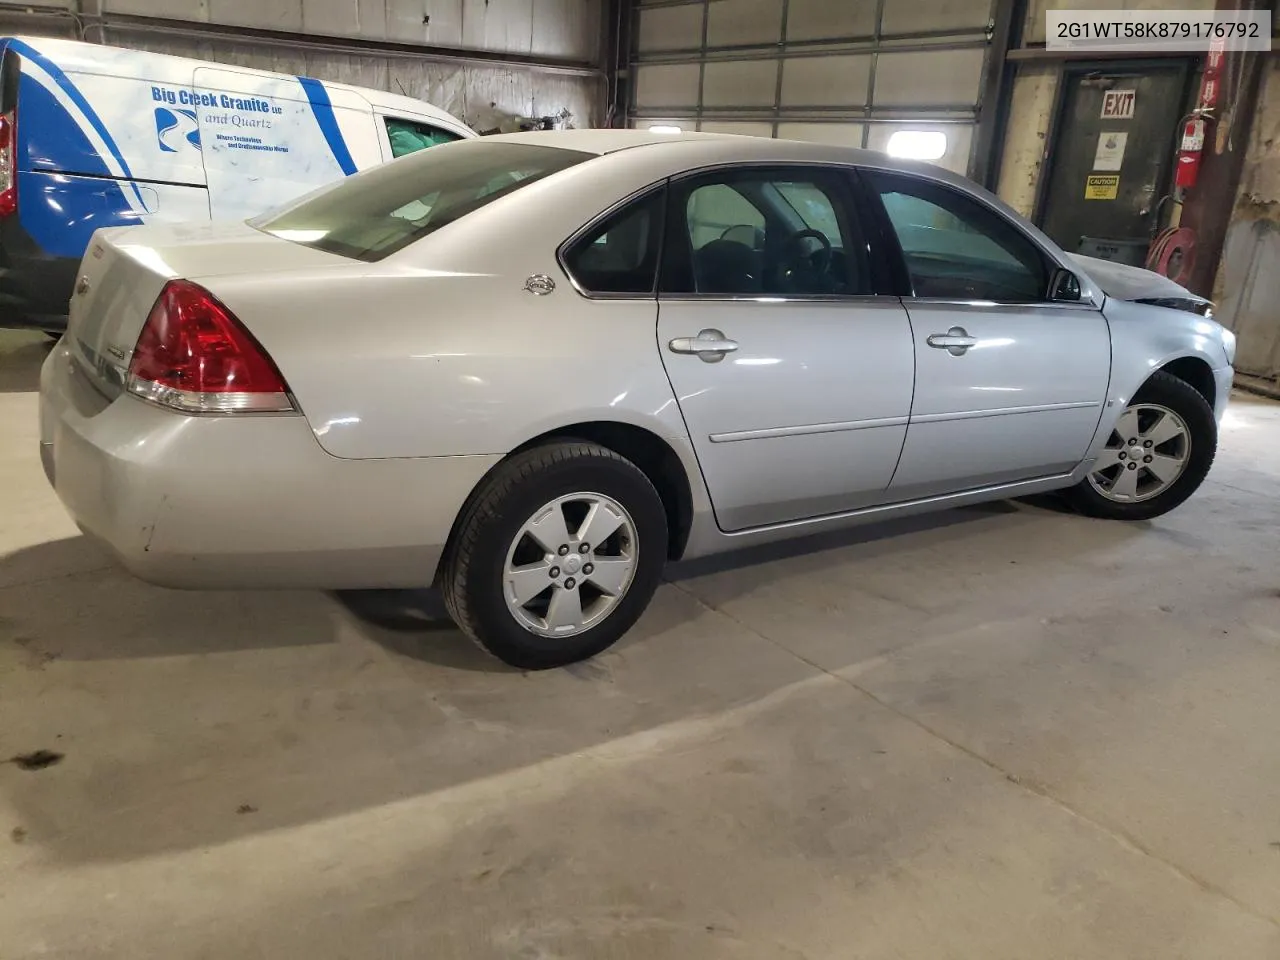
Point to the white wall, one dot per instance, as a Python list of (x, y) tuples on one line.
[(558, 28), (482, 95), (1031, 111)]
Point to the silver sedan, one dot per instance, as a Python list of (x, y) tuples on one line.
[(532, 369)]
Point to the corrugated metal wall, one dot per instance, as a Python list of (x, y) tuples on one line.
[(566, 28), (853, 72), (482, 95), (1249, 280)]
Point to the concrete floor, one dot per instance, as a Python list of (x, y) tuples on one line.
[(996, 733)]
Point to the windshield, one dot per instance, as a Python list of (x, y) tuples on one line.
[(376, 213)]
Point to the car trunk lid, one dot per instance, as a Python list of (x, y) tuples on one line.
[(124, 270)]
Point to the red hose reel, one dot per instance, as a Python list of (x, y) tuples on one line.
[(1173, 253)]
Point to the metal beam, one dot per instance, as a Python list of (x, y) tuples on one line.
[(777, 87), (875, 66), (619, 17), (765, 114), (1045, 55), (993, 108), (118, 23), (828, 46)]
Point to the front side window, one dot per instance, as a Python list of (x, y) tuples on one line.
[(621, 254), (769, 233), (956, 248), (375, 213), (410, 136), (717, 211)]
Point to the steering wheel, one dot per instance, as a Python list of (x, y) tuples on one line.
[(796, 259), (743, 233)]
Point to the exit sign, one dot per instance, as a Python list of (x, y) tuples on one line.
[(1118, 104)]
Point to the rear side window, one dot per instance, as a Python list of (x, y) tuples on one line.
[(410, 136), (621, 254), (373, 214)]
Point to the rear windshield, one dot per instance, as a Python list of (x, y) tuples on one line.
[(374, 214)]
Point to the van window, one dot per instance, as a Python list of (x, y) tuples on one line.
[(375, 213), (410, 136)]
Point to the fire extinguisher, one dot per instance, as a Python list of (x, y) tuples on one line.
[(1189, 154)]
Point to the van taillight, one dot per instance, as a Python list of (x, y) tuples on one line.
[(193, 355), (8, 160)]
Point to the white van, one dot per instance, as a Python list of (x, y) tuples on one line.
[(94, 136)]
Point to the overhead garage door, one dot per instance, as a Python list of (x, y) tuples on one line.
[(852, 72)]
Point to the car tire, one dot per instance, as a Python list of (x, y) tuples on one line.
[(1163, 392), (492, 546)]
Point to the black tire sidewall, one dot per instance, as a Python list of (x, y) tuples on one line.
[(1184, 400), (498, 629)]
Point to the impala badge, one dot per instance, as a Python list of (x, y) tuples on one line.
[(82, 286), (540, 285)]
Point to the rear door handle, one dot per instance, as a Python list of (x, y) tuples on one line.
[(710, 346), (955, 341)]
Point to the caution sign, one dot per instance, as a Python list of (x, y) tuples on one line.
[(1106, 187)]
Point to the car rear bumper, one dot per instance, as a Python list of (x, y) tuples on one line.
[(241, 502)]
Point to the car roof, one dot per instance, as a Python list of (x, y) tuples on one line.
[(607, 140), (718, 145)]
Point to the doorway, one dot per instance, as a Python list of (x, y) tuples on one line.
[(1110, 157)]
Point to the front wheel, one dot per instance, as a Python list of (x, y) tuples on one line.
[(1156, 457), (557, 556)]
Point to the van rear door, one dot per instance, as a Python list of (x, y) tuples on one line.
[(267, 140), (101, 141)]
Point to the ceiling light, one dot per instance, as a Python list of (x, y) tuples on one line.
[(918, 145)]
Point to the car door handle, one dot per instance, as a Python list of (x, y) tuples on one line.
[(710, 346), (955, 341)]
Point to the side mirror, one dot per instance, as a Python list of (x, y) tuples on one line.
[(1065, 287)]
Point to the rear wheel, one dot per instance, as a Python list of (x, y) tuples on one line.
[(557, 556), (1156, 457)]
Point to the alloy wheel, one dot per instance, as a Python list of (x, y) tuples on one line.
[(1147, 453), (570, 564)]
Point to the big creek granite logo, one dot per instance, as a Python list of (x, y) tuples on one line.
[(176, 127), (178, 123)]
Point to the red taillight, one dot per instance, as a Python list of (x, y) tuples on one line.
[(194, 356), (8, 161)]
